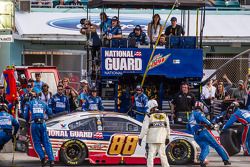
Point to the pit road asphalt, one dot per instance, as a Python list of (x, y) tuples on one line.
[(22, 160)]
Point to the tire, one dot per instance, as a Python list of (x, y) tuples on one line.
[(73, 152), (230, 141), (180, 152)]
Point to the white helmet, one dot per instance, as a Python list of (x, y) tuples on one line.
[(152, 104)]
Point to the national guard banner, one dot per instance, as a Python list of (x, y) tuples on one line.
[(172, 63)]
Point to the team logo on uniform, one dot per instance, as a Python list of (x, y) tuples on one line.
[(158, 60), (158, 116)]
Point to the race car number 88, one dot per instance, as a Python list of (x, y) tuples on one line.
[(124, 145)]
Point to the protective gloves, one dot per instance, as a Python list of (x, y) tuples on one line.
[(139, 142), (166, 141)]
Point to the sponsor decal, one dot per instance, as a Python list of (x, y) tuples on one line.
[(158, 60), (176, 61), (98, 135), (70, 134), (123, 144), (58, 133), (6, 38), (122, 60)]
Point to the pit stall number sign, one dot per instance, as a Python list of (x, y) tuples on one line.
[(123, 144)]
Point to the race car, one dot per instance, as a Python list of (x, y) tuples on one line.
[(109, 138)]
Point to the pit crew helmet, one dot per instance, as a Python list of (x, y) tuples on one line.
[(18, 83), (199, 106), (3, 107), (93, 89), (139, 88), (233, 107), (152, 104)]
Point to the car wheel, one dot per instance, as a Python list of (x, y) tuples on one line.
[(73, 152), (179, 152), (229, 140)]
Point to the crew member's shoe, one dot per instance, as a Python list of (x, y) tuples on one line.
[(227, 162), (202, 164), (1, 147), (43, 162), (51, 163), (246, 153)]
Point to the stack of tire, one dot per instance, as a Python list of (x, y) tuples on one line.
[(231, 141)]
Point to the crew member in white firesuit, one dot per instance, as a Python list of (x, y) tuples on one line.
[(156, 127)]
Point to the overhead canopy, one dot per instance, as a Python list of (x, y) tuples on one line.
[(160, 4)]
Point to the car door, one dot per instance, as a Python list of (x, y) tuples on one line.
[(123, 134)]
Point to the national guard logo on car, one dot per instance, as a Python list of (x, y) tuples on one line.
[(158, 116)]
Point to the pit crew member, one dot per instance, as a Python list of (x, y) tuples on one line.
[(196, 124), (141, 104), (93, 102), (156, 127), (243, 116), (6, 123), (39, 136), (59, 103)]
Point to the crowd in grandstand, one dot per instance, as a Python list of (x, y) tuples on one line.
[(111, 31)]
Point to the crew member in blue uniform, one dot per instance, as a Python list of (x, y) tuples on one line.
[(59, 103), (6, 123), (197, 125), (141, 104), (38, 83), (243, 116), (93, 102), (39, 135), (114, 31), (26, 97), (139, 36)]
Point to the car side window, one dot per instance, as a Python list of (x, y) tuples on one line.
[(114, 124), (88, 124)]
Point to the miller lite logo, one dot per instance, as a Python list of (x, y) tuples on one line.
[(158, 60)]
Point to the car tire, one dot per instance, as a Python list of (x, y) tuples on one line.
[(73, 152), (179, 152), (230, 141)]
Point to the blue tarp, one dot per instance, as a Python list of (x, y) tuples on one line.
[(172, 63)]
